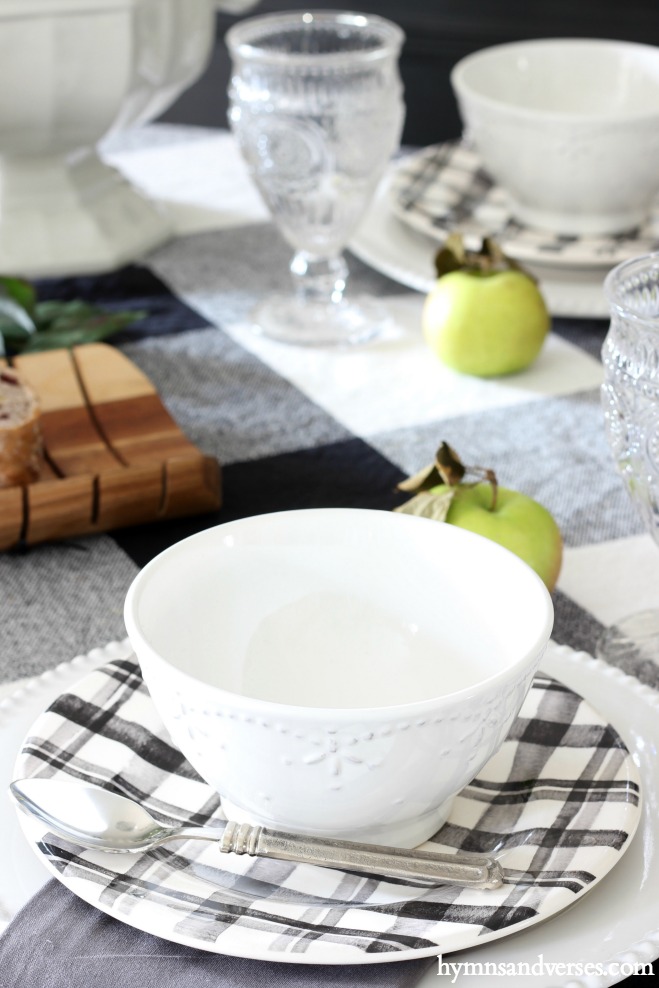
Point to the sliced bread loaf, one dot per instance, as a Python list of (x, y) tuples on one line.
[(20, 432)]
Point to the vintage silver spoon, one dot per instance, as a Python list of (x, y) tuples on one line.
[(96, 818)]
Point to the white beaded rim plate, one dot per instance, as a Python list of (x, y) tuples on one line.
[(445, 188), (558, 805)]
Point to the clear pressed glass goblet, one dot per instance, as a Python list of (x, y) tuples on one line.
[(316, 105), (630, 399)]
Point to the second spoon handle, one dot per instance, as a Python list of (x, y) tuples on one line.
[(470, 871)]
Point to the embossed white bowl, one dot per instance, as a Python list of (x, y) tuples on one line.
[(336, 671), (568, 127)]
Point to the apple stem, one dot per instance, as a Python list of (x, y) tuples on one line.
[(490, 477)]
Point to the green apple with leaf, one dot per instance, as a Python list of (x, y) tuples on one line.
[(512, 519), (485, 315)]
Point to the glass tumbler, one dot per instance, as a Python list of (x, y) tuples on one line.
[(315, 102), (630, 400)]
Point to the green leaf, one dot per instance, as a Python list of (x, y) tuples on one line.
[(28, 325), (21, 291), (427, 505), (15, 321), (46, 313), (68, 331), (13, 333)]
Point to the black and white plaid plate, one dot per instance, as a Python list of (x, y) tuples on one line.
[(444, 188), (558, 805)]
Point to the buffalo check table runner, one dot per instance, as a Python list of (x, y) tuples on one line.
[(297, 427)]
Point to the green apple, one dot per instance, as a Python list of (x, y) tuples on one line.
[(485, 322), (516, 522)]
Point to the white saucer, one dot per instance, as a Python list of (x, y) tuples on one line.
[(87, 873), (407, 256)]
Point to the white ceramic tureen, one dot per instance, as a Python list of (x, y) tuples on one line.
[(72, 71)]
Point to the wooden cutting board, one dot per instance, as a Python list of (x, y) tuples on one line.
[(114, 455)]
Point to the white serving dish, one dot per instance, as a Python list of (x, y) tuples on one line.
[(72, 71)]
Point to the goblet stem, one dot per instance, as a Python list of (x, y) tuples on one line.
[(318, 279), (317, 312)]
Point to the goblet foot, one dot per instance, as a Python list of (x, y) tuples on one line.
[(634, 637), (314, 323)]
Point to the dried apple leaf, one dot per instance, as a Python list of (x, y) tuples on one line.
[(428, 505), (421, 481), (453, 255), (447, 470), (449, 465)]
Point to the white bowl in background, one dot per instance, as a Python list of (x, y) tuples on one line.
[(568, 127), (335, 671)]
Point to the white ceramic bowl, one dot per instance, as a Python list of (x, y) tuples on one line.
[(568, 127), (335, 671)]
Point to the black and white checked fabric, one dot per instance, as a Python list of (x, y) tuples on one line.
[(445, 188), (556, 805)]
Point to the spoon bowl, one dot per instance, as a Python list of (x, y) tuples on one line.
[(96, 817)]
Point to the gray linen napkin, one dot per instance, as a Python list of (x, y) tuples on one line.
[(59, 941)]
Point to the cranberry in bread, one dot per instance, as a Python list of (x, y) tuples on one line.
[(20, 431)]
